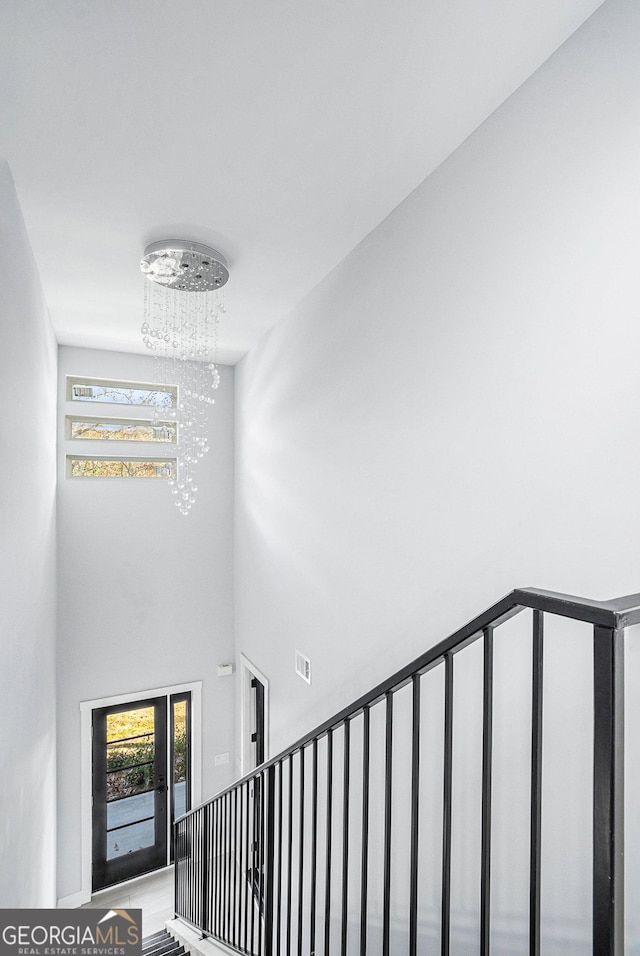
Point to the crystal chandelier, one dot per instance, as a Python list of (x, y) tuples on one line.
[(182, 307)]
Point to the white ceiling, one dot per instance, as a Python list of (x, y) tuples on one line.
[(279, 131)]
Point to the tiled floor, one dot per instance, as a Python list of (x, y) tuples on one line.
[(153, 894)]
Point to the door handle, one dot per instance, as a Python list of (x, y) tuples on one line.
[(162, 788)]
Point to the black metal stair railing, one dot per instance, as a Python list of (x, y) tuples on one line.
[(285, 862)]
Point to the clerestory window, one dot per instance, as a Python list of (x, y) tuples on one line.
[(114, 392), (84, 428), (94, 429), (102, 467)]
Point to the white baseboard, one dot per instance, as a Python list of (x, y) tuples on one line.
[(73, 901)]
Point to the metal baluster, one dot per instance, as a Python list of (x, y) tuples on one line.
[(261, 848), (195, 875), (227, 888), (446, 805), (240, 863), (252, 859), (289, 853), (187, 864), (388, 774), (487, 754), (345, 836), (314, 843), (217, 876), (219, 858), (415, 807), (181, 840), (194, 872), (176, 871), (192, 863), (206, 915), (608, 792), (327, 883), (221, 864), (234, 864), (536, 786), (214, 865), (270, 852), (280, 834), (364, 868), (204, 815), (246, 874), (301, 852)]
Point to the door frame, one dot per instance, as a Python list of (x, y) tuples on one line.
[(86, 719), (247, 672)]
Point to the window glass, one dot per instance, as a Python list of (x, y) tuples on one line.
[(98, 467), (120, 393), (113, 429), (180, 758)]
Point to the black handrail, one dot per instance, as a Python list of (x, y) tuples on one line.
[(244, 857)]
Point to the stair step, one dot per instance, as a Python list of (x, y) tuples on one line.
[(154, 937), (162, 943), (158, 939), (169, 947)]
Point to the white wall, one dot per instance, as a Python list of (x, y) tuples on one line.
[(27, 583), (145, 593), (453, 412), (454, 407)]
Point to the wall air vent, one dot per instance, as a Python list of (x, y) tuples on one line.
[(83, 391), (303, 667)]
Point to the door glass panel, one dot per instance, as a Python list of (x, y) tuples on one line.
[(180, 758), (121, 813), (126, 839), (130, 753), (130, 781)]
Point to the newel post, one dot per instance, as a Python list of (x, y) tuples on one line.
[(608, 792), (270, 854), (205, 863)]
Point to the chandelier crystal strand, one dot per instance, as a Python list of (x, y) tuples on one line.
[(182, 309)]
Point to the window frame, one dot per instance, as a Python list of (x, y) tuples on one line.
[(172, 462), (70, 420), (80, 380)]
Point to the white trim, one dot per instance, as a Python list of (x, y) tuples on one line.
[(86, 710), (247, 671), (72, 902)]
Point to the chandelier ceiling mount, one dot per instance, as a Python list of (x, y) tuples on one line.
[(185, 266)]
